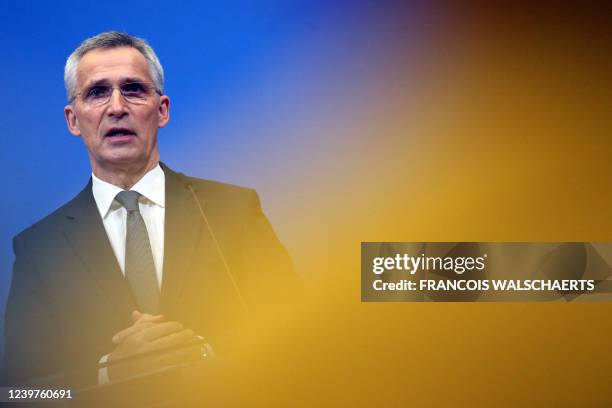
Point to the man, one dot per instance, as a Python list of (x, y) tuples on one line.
[(143, 258)]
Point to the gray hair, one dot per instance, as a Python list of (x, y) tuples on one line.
[(112, 39)]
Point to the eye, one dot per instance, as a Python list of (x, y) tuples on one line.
[(133, 89), (96, 92)]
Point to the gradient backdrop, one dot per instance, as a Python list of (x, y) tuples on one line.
[(363, 121)]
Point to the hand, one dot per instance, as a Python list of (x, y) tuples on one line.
[(149, 333), (141, 321)]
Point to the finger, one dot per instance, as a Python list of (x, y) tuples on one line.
[(147, 318), (138, 316), (175, 339), (145, 322), (188, 354), (133, 329), (157, 330)]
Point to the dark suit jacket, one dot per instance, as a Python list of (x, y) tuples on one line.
[(68, 295)]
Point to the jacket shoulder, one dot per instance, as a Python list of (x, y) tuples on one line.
[(211, 190), (48, 224)]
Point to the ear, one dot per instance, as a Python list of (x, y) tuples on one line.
[(71, 120), (163, 111)]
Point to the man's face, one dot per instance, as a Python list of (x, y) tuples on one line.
[(117, 133)]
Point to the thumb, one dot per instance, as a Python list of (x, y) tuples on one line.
[(136, 315)]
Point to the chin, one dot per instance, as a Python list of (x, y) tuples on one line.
[(125, 159)]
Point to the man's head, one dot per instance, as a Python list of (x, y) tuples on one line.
[(115, 84)]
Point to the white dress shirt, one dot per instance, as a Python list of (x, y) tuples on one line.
[(152, 187)]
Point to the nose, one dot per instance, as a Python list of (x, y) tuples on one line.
[(117, 104)]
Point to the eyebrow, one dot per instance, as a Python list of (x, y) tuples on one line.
[(106, 82)]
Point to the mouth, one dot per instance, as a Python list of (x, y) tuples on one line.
[(119, 132)]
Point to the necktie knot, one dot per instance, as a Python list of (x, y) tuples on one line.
[(129, 200)]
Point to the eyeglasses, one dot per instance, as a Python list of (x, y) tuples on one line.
[(134, 92)]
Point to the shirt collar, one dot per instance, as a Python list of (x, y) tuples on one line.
[(151, 186)]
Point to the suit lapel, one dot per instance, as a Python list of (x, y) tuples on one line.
[(183, 224), (85, 233)]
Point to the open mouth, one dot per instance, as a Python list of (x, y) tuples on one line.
[(119, 131)]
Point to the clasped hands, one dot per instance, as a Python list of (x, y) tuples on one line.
[(150, 333)]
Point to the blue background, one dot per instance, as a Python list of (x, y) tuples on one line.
[(257, 91)]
